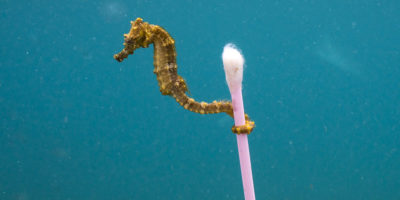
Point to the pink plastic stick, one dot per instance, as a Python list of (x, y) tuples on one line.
[(243, 145)]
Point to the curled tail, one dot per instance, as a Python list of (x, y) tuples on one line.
[(211, 108)]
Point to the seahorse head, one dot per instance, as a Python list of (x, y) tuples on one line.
[(137, 37)]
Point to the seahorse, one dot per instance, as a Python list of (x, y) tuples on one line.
[(142, 34)]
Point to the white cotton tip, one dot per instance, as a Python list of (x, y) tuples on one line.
[(233, 65)]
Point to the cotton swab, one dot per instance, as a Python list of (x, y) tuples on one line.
[(233, 65)]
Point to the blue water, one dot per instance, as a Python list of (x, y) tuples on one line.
[(322, 83)]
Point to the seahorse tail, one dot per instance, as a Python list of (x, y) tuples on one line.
[(210, 108), (201, 107), (247, 128)]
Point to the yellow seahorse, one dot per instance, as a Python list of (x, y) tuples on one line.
[(142, 34)]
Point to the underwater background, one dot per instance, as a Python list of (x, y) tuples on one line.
[(321, 82)]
